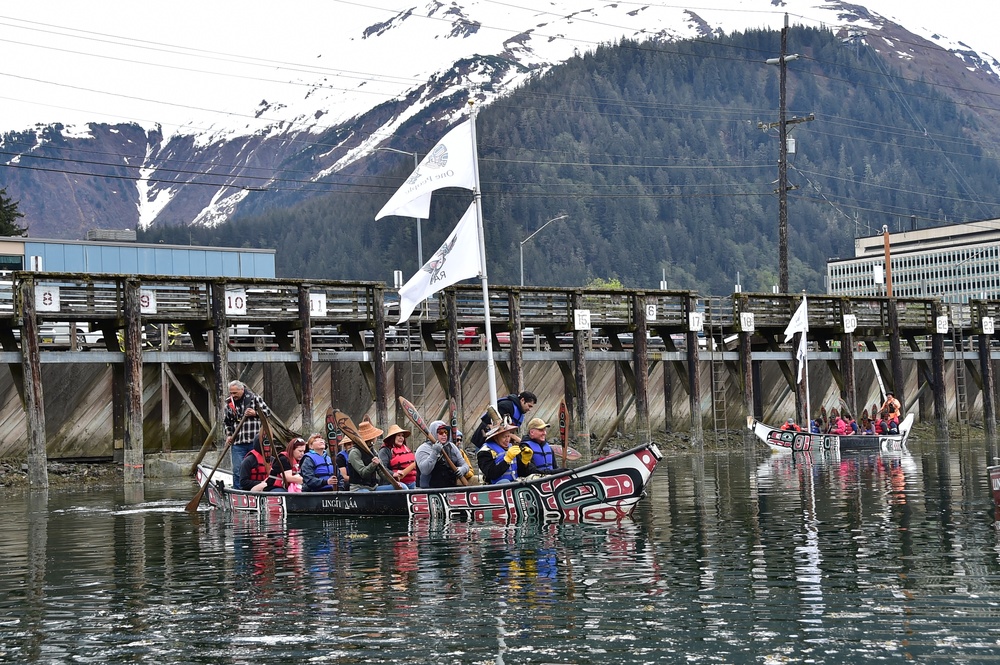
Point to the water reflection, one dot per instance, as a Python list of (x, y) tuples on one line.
[(732, 558)]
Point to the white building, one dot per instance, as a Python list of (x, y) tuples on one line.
[(954, 263)]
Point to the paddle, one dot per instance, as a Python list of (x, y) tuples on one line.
[(346, 425), (332, 444), (454, 431), (418, 420), (193, 504), (563, 420)]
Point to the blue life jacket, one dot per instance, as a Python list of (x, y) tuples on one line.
[(542, 456), (324, 465), (511, 474)]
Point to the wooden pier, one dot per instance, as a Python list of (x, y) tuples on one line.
[(198, 329)]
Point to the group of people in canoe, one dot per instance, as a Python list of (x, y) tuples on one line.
[(305, 465), (884, 420)]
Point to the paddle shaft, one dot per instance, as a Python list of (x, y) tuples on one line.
[(563, 418), (418, 420), (196, 500), (346, 425)]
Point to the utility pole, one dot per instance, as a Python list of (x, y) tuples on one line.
[(782, 124)]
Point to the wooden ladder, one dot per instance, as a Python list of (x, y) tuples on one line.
[(716, 346)]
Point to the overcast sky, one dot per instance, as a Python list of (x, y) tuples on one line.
[(64, 60)]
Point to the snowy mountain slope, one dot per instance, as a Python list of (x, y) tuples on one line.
[(209, 125)]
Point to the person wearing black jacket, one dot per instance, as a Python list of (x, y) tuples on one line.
[(512, 409)]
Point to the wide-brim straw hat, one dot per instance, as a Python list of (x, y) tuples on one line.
[(395, 429), (368, 432)]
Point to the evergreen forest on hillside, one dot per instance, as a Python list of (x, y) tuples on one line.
[(655, 154)]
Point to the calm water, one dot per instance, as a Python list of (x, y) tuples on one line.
[(733, 558)]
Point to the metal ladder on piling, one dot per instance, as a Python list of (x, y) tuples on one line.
[(719, 373), (961, 389)]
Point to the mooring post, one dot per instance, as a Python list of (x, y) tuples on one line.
[(516, 341), (937, 371), (640, 367), (582, 424), (379, 364), (306, 361), (34, 404), (847, 362), (746, 326), (694, 382), (220, 356), (133, 440), (989, 387), (895, 351)]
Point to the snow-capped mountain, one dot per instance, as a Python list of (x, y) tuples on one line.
[(113, 121)]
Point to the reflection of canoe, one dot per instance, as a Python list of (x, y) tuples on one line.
[(779, 440), (602, 491)]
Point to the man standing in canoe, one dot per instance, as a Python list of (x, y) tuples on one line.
[(242, 401), (512, 408)]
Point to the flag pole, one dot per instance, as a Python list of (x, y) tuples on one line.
[(478, 197), (805, 362)]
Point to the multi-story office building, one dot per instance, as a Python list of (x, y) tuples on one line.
[(954, 263)]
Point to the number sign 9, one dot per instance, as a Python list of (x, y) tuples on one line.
[(147, 301)]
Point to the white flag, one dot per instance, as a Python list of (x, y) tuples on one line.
[(452, 163), (801, 356), (457, 259), (799, 322)]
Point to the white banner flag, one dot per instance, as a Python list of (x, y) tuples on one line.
[(452, 163), (799, 322), (801, 356), (457, 259)]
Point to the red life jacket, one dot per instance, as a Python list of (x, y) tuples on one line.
[(261, 470), (399, 459)]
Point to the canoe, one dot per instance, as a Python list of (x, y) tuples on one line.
[(994, 474), (779, 440), (603, 491)]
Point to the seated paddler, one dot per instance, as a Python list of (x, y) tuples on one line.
[(317, 468), (433, 470), (501, 460)]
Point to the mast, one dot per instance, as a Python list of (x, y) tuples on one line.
[(478, 197)]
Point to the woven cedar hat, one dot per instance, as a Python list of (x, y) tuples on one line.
[(395, 429), (368, 432), (504, 426)]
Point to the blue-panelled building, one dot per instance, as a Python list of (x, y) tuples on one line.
[(98, 255)]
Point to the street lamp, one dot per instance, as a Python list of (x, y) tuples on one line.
[(420, 244), (554, 219)]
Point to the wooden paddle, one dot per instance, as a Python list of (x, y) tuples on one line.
[(193, 504), (418, 420), (333, 444), (346, 425), (563, 422)]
